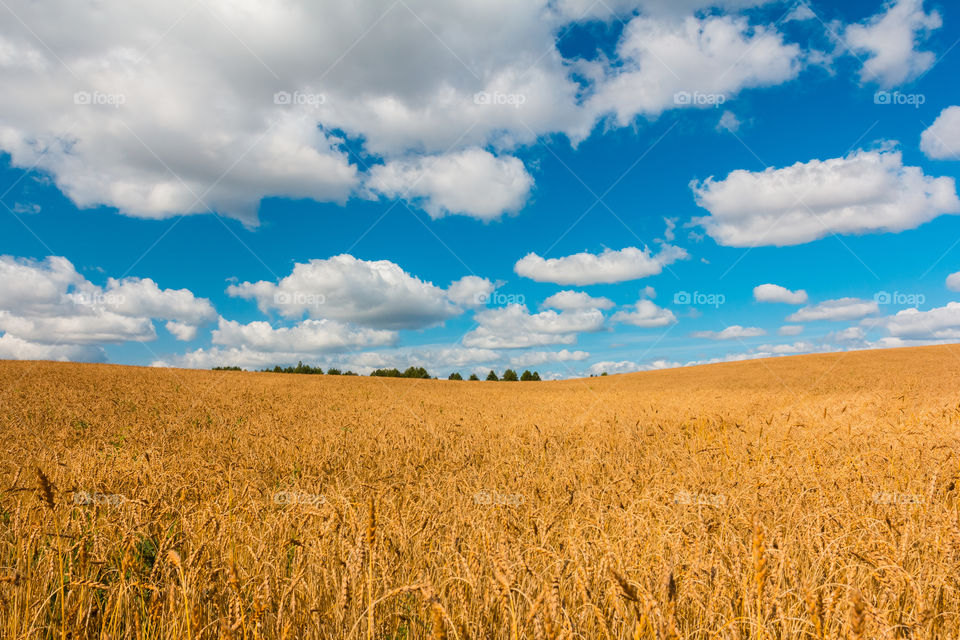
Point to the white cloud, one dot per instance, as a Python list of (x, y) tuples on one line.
[(953, 281), (609, 366), (471, 291), (610, 266), (177, 100), (142, 297), (472, 182), (175, 107), (77, 329), (866, 191), (376, 294), (890, 41), (776, 293), (800, 13), (790, 330), (839, 309), (534, 358), (13, 348), (182, 330), (568, 300), (941, 140), (938, 323), (49, 310), (645, 313), (729, 122), (850, 334), (308, 337), (513, 327), (628, 366), (731, 333), (671, 63), (766, 350)]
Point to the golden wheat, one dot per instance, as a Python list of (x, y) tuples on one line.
[(806, 497)]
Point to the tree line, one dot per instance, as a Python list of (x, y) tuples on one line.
[(410, 372)]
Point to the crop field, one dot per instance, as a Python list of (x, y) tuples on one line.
[(803, 497)]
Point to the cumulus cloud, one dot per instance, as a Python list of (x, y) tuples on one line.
[(180, 107), (731, 333), (646, 314), (607, 267), (938, 323), (534, 358), (790, 330), (866, 191), (839, 309), (471, 291), (776, 293), (184, 108), (372, 293), (953, 281), (890, 40), (729, 122), (14, 348), (850, 334), (48, 310), (472, 182), (628, 366), (690, 62), (941, 140), (575, 301), (513, 327), (307, 337)]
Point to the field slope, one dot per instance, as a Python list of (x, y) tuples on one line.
[(804, 497)]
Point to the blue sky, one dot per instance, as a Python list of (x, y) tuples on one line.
[(413, 183)]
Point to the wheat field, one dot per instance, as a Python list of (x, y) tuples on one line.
[(803, 497)]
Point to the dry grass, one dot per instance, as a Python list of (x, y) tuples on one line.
[(807, 497)]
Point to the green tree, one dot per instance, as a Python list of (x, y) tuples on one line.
[(473, 376), (492, 376), (510, 375), (334, 372), (455, 376)]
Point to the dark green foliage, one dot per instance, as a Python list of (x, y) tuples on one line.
[(527, 376), (473, 376), (411, 372), (227, 369), (510, 375), (492, 376), (455, 376), (300, 368)]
